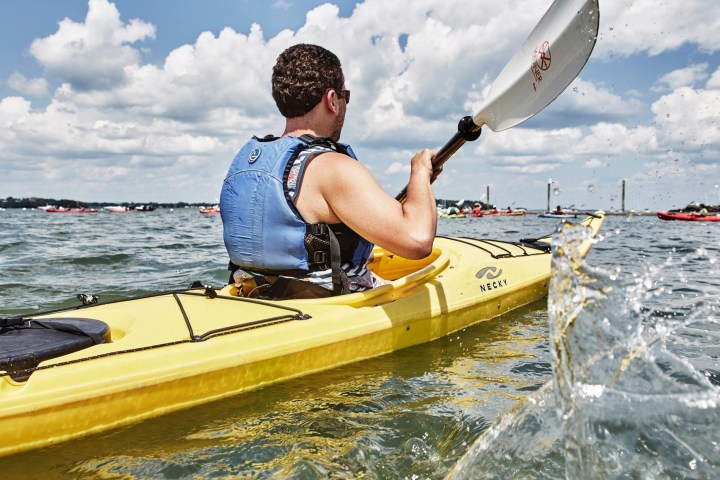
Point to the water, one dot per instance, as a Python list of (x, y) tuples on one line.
[(635, 393)]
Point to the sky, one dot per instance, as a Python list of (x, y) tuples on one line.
[(148, 101)]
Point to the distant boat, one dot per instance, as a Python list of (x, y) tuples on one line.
[(118, 209), (500, 213), (70, 210), (124, 209), (210, 210), (558, 215), (688, 217)]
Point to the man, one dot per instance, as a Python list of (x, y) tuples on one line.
[(301, 207)]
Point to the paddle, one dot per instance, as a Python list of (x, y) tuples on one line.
[(551, 57)]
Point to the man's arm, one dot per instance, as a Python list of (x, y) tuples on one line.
[(337, 188)]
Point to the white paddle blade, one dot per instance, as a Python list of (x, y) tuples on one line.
[(551, 58)]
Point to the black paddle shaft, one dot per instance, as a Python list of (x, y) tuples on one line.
[(468, 131)]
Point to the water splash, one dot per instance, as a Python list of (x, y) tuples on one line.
[(635, 377)]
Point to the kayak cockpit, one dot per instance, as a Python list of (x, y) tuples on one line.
[(24, 344)]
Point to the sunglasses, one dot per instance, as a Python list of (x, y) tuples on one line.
[(346, 95)]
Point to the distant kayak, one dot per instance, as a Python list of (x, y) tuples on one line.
[(557, 215), (687, 217), (516, 213), (454, 215), (70, 210), (119, 209), (124, 209)]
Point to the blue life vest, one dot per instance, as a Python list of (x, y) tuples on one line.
[(262, 228)]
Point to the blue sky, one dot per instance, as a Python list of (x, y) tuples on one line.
[(148, 101)]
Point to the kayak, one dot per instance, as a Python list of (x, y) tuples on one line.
[(211, 210), (517, 213), (70, 373), (124, 209), (453, 215), (120, 209), (557, 215), (687, 217), (70, 210)]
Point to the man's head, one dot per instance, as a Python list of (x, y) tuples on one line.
[(302, 75)]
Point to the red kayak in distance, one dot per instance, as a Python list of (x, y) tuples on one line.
[(515, 213), (210, 210), (71, 210), (687, 217)]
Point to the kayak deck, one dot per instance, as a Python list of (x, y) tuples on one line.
[(178, 349)]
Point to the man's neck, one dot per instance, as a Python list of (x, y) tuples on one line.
[(298, 126)]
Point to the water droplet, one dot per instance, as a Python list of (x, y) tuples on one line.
[(667, 115), (591, 188), (556, 191)]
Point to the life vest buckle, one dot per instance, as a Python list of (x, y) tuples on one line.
[(320, 258)]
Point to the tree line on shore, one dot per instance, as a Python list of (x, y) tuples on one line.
[(35, 202)]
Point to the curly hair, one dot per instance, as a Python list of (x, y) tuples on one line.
[(302, 75)]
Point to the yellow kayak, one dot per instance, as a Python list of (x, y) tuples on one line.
[(161, 353)]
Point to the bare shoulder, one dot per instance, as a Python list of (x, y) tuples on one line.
[(334, 161), (332, 187), (335, 170)]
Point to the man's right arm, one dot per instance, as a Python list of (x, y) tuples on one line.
[(354, 197)]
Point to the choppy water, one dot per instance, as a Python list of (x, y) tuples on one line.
[(635, 392)]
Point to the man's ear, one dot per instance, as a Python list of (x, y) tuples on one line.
[(331, 100)]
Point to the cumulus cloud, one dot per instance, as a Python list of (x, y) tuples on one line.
[(685, 77), (714, 81), (689, 117), (628, 28), (93, 54), (585, 103), (34, 87)]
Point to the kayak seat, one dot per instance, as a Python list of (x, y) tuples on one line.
[(25, 345)]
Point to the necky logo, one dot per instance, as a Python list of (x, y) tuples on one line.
[(492, 282), (254, 155), (489, 273)]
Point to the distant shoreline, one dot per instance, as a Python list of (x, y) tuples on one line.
[(36, 202), (39, 203)]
